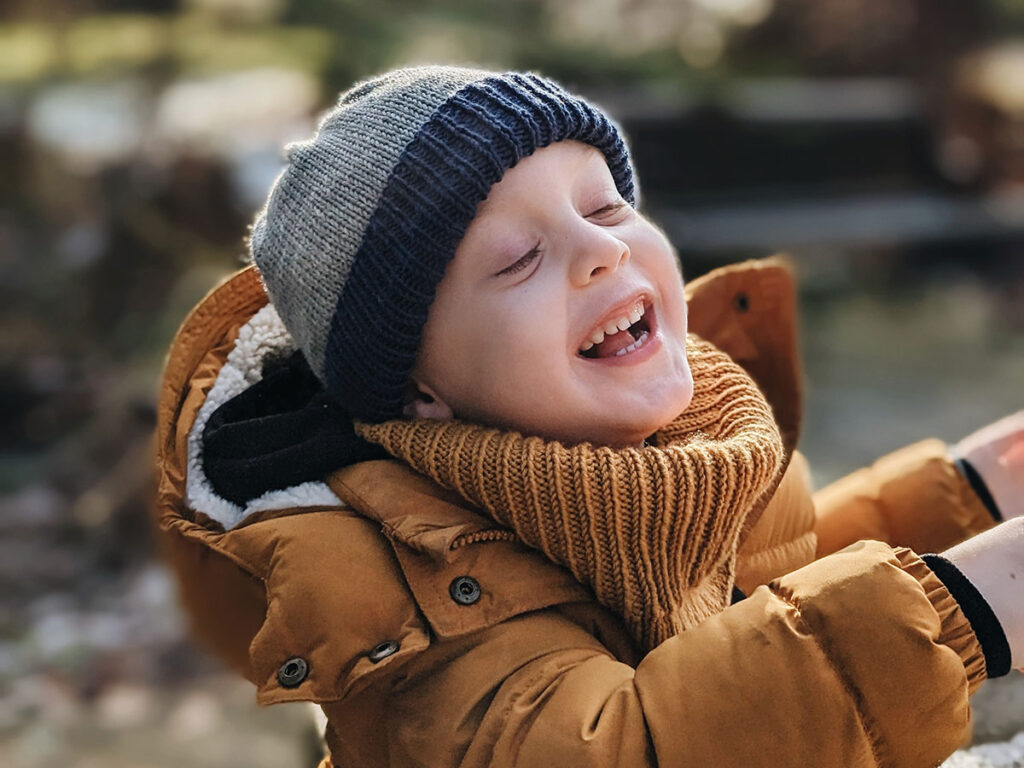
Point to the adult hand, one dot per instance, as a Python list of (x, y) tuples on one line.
[(997, 453), (993, 561)]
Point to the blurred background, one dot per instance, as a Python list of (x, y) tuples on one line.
[(880, 143)]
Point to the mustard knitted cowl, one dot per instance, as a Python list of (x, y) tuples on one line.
[(653, 531)]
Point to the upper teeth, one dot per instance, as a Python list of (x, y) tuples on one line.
[(614, 326)]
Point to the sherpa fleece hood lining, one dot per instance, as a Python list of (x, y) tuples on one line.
[(262, 337)]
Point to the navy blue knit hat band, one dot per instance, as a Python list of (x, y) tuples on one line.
[(427, 203)]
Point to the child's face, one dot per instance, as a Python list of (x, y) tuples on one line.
[(553, 257)]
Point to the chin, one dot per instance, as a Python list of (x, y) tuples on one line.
[(636, 433), (646, 416), (672, 407)]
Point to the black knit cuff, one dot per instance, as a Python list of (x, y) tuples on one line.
[(978, 486), (983, 621)]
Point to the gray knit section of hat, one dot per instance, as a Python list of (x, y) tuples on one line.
[(328, 191)]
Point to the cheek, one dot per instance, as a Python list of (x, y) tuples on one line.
[(523, 342), (661, 262), (451, 348), (518, 346), (668, 262), (474, 355)]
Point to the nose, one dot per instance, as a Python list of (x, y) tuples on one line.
[(598, 254)]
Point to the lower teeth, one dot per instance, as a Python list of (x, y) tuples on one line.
[(634, 346)]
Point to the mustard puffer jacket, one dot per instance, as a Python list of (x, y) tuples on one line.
[(430, 641)]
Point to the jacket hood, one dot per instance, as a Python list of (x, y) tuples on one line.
[(223, 351)]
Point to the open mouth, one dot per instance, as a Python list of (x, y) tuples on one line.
[(620, 335)]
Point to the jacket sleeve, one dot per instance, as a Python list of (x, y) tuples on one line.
[(859, 659), (914, 497)]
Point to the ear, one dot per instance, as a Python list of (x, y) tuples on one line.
[(422, 402)]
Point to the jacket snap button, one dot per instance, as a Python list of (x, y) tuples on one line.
[(464, 590), (382, 650), (742, 302), (292, 672)]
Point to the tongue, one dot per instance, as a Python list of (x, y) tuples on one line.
[(614, 343)]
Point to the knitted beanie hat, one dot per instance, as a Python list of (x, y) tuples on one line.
[(360, 225)]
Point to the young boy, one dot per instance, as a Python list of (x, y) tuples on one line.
[(477, 482)]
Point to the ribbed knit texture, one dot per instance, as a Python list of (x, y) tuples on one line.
[(360, 226), (653, 530)]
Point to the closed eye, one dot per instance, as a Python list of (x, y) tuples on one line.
[(613, 207), (522, 263)]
